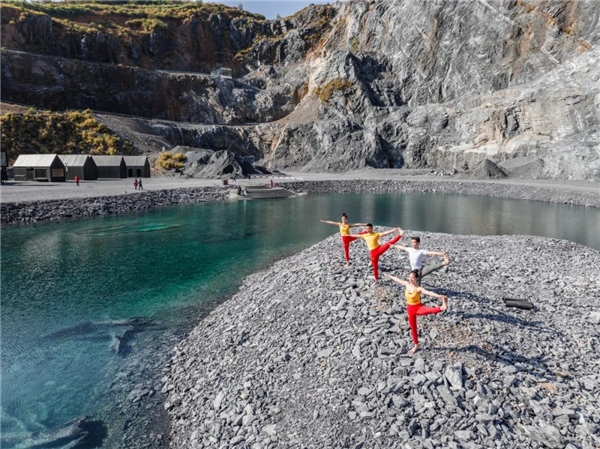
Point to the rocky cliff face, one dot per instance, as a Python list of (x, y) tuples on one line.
[(441, 84)]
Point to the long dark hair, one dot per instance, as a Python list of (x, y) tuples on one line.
[(415, 272)]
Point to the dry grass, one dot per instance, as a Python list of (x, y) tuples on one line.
[(46, 132), (326, 92)]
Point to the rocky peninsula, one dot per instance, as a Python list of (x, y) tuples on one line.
[(309, 353)]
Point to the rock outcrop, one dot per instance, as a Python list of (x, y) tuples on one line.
[(440, 84), (220, 164)]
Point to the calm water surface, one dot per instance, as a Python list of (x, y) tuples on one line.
[(172, 264)]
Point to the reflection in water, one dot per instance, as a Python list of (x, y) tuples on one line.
[(112, 230), (164, 264)]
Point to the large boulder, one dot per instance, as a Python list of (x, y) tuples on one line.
[(209, 164)]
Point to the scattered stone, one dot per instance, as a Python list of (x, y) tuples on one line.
[(454, 375), (547, 435), (488, 379)]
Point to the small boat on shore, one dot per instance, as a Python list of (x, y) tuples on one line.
[(260, 192)]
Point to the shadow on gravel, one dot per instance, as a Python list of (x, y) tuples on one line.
[(494, 314), (534, 365), (508, 319)]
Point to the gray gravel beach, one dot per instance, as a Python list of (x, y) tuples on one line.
[(309, 354)]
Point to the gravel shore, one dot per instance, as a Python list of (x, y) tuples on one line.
[(32, 202), (309, 354)]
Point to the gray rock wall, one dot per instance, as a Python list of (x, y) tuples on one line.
[(437, 84)]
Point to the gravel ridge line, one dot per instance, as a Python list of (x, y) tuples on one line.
[(513, 191), (35, 211), (309, 354)]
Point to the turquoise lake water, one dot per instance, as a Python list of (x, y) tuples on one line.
[(174, 264)]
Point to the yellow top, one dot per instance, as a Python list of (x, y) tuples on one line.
[(344, 229), (413, 298), (372, 240)]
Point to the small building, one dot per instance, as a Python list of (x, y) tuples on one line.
[(222, 72), (3, 165), (39, 167), (80, 165), (137, 166), (110, 166)]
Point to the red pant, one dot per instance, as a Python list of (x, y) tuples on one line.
[(346, 240), (412, 312), (375, 253)]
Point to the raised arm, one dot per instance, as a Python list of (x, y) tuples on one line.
[(432, 294), (435, 253), (391, 231), (359, 236), (403, 248), (356, 225), (335, 223), (395, 279)]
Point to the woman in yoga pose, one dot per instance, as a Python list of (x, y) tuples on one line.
[(414, 307), (375, 249), (345, 233)]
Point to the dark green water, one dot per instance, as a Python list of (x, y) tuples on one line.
[(170, 264)]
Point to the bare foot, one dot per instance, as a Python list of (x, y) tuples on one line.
[(347, 264), (414, 349), (444, 304), (446, 259)]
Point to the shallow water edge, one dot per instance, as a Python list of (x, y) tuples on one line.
[(36, 211)]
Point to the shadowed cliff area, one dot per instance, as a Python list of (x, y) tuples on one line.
[(492, 88)]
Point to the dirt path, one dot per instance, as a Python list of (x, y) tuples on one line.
[(13, 192)]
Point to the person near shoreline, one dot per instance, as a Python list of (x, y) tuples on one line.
[(135, 183), (414, 307), (76, 180), (140, 186), (345, 234), (375, 249), (415, 256)]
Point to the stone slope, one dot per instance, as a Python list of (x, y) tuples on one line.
[(309, 354), (440, 84)]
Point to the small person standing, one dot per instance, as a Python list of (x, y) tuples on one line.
[(135, 183), (140, 184), (345, 227), (77, 180)]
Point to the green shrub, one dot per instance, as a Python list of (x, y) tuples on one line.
[(146, 25)]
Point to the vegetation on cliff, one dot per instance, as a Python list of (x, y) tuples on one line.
[(170, 160), (74, 132), (149, 34), (114, 15), (326, 92)]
